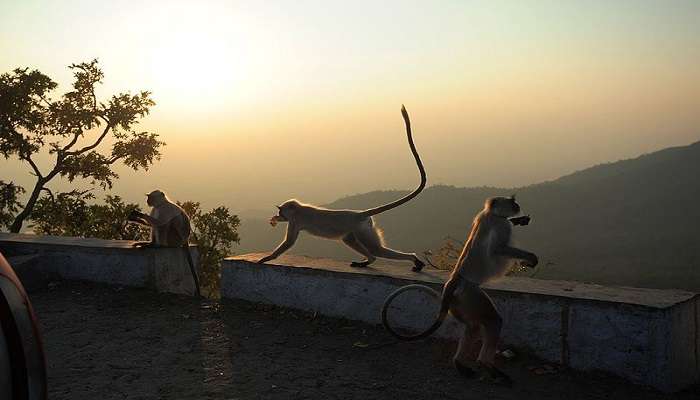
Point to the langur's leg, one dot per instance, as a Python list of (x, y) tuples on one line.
[(464, 350), (351, 241), (373, 242), (491, 332), (491, 324), (464, 307)]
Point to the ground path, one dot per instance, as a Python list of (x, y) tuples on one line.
[(121, 343)]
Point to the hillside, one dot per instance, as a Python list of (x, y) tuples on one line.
[(632, 222)]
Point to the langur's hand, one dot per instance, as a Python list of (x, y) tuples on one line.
[(531, 261), (524, 220), (134, 216)]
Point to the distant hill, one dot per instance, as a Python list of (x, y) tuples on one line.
[(634, 222)]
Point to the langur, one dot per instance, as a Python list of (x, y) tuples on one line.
[(170, 226), (355, 228), (486, 256)]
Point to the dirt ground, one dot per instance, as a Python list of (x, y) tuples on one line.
[(120, 343)]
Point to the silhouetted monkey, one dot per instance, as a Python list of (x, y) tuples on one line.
[(170, 227)]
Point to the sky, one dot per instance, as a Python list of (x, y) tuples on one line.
[(259, 101)]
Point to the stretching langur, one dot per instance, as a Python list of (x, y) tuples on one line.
[(487, 255), (355, 228), (170, 226)]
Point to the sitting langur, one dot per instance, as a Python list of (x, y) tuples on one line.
[(355, 228), (487, 255), (170, 226)]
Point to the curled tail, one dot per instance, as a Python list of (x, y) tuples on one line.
[(423, 179), (442, 314)]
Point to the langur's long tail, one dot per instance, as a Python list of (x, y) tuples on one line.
[(188, 255), (423, 179), (444, 308)]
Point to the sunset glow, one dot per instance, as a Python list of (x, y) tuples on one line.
[(577, 83)]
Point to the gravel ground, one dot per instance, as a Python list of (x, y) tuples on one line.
[(121, 343)]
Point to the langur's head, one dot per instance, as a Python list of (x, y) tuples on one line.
[(155, 198), (287, 210), (502, 206)]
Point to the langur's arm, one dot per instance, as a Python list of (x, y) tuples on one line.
[(152, 221), (139, 221), (137, 218), (513, 252), (137, 215), (290, 238), (155, 222)]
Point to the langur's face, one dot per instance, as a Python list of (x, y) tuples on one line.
[(281, 210), (505, 206), (286, 210), (154, 198)]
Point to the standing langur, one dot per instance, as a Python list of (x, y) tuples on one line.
[(170, 227), (487, 255), (355, 228)]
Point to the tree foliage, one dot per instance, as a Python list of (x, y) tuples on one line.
[(73, 128), (69, 214), (214, 233), (9, 205)]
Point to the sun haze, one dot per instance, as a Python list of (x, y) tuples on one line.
[(262, 101)]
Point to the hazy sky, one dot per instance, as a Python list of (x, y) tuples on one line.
[(264, 100)]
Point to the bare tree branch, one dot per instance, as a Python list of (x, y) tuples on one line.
[(31, 162), (92, 146), (48, 103), (427, 254), (70, 144)]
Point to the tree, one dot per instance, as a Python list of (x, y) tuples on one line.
[(72, 128)]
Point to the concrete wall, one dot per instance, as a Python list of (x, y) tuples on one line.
[(40, 259), (647, 336)]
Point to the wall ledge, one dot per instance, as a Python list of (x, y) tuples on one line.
[(39, 259), (643, 297), (648, 336)]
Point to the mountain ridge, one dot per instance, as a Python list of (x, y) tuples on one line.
[(630, 222)]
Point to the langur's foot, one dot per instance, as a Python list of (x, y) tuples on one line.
[(418, 266), (359, 264), (463, 370), (494, 375)]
